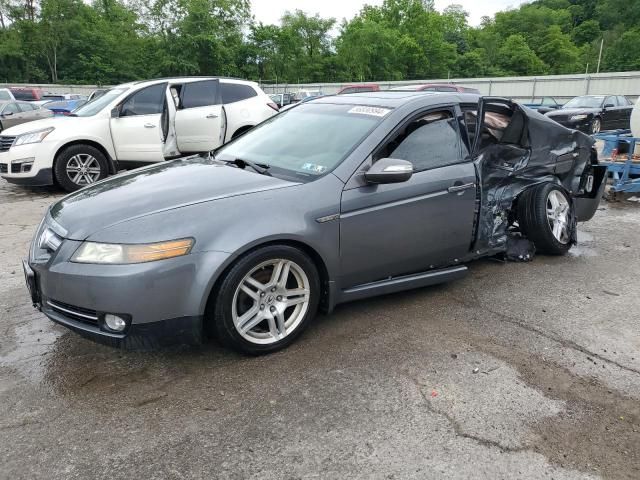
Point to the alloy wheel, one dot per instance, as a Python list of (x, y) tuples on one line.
[(595, 125), (558, 216), (83, 169), (271, 301)]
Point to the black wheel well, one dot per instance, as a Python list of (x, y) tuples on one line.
[(315, 258), (241, 130), (112, 167)]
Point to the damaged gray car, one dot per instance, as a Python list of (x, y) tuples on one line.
[(339, 199)]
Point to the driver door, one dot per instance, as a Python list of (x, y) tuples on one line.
[(393, 229), (136, 130)]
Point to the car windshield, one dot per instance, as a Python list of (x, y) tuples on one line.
[(307, 141), (585, 102), (97, 104)]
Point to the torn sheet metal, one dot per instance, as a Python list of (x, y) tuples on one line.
[(529, 150)]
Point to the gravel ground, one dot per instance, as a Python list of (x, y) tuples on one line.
[(519, 371)]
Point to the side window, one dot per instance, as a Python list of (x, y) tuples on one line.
[(611, 101), (11, 108), (622, 101), (148, 101), (447, 89), (431, 89), (199, 94), (431, 141), (235, 92), (26, 107)]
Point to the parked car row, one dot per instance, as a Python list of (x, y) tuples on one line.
[(144, 122)]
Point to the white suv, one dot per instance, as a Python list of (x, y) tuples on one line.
[(132, 125)]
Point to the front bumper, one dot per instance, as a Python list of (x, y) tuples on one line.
[(164, 301), (40, 158)]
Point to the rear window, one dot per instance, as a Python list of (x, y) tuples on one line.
[(5, 95), (21, 94), (236, 92)]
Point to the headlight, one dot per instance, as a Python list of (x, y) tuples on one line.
[(577, 118), (32, 137), (120, 254)]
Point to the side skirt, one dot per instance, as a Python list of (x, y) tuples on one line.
[(405, 282)]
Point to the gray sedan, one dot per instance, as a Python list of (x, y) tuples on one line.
[(14, 113), (338, 199)]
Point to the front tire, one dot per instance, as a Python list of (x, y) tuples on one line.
[(266, 300), (80, 165), (546, 217)]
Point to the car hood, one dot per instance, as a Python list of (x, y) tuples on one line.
[(562, 112), (149, 190), (37, 125)]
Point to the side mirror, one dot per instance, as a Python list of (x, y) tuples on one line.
[(609, 105), (389, 170), (115, 112)]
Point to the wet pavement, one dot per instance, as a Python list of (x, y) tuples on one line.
[(518, 371)]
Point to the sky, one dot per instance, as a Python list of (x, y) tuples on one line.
[(270, 11)]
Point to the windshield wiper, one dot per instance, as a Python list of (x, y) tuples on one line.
[(261, 168)]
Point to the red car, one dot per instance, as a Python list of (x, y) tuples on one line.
[(365, 87), (26, 94), (438, 87)]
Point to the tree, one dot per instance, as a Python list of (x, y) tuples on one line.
[(558, 51), (516, 58)]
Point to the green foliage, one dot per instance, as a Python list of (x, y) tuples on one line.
[(515, 57), (112, 41)]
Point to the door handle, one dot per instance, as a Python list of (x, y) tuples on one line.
[(460, 188), (149, 125), (212, 115)]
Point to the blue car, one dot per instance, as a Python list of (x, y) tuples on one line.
[(64, 107)]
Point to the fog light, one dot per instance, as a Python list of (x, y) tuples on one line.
[(114, 322)]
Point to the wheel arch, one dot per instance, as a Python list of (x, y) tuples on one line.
[(240, 130), (551, 179), (112, 165), (326, 300)]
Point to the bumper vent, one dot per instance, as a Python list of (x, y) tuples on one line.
[(4, 168), (75, 313), (6, 142)]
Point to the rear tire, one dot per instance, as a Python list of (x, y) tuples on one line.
[(266, 300), (546, 217), (80, 165)]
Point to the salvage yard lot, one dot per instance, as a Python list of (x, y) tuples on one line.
[(520, 370)]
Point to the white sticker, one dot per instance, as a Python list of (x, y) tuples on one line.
[(374, 111), (312, 167)]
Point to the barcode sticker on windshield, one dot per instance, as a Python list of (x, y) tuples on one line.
[(375, 111)]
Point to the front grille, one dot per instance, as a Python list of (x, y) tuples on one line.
[(6, 142), (76, 313), (4, 168)]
